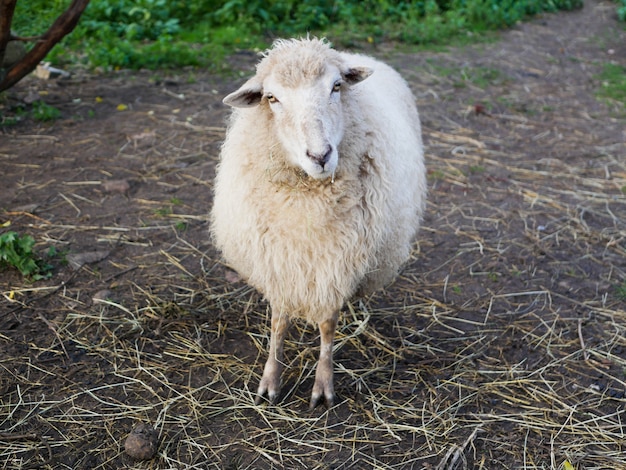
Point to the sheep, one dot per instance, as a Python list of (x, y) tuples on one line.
[(319, 190)]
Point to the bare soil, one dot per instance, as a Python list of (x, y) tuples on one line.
[(501, 346)]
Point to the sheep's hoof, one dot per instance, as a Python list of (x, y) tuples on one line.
[(262, 397), (322, 393), (269, 389)]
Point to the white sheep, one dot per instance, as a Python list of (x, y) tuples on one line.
[(320, 189)]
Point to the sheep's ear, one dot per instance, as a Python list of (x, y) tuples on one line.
[(356, 74), (247, 96)]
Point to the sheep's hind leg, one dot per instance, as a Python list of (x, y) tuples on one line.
[(270, 381), (323, 387)]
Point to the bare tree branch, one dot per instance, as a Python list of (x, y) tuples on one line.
[(60, 28)]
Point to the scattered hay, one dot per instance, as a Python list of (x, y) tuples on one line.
[(501, 346)]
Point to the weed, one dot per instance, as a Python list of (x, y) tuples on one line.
[(436, 175), (168, 209), (163, 211), (620, 291), (481, 77), (44, 112), (40, 112), (476, 169), (613, 79), (176, 201), (60, 256), (17, 252)]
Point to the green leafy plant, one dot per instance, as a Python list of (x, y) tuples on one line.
[(142, 19), (44, 112), (174, 33), (17, 251)]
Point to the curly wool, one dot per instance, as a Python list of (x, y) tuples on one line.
[(308, 245)]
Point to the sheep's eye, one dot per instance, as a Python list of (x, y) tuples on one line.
[(271, 98), (336, 86)]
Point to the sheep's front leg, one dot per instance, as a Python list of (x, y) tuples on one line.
[(270, 382), (323, 387)]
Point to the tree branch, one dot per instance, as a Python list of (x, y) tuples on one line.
[(60, 28)]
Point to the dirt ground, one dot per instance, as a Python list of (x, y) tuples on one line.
[(501, 346)]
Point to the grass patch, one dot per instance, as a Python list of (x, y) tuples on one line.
[(158, 34), (620, 291), (613, 83), (481, 77)]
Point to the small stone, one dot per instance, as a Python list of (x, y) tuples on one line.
[(78, 260), (116, 186), (141, 443), (143, 139), (103, 294)]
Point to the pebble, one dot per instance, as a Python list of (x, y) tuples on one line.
[(141, 443), (116, 186), (103, 294)]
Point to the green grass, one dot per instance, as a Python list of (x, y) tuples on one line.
[(461, 77), (482, 77), (620, 291), (613, 83), (158, 34)]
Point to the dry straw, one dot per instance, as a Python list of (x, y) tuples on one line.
[(501, 346)]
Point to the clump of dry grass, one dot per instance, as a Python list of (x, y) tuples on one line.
[(420, 386), (525, 371)]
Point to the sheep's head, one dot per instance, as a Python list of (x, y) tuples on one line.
[(301, 82)]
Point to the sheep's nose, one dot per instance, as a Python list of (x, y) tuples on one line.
[(322, 157)]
